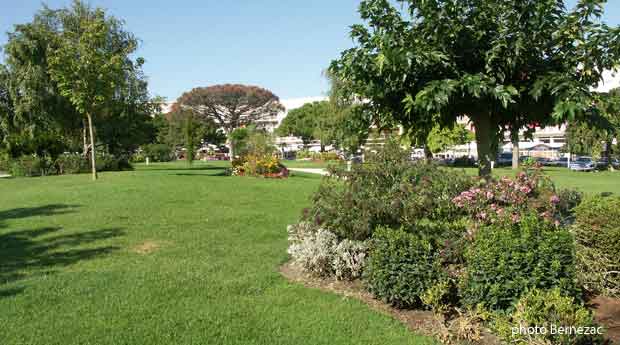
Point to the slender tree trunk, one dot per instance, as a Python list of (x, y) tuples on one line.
[(482, 124), (92, 146), (232, 151), (428, 154), (85, 150), (608, 145), (515, 148)]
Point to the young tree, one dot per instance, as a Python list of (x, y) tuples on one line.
[(231, 106), (504, 64), (190, 131), (89, 61)]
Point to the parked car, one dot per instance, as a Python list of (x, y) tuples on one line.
[(603, 163), (561, 162), (583, 164), (504, 159)]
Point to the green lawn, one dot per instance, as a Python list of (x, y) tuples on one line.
[(165, 255)]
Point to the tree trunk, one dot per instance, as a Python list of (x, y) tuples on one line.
[(482, 124), (232, 151), (85, 150), (515, 148), (92, 146), (428, 154), (608, 145)]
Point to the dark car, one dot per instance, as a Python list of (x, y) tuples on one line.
[(604, 163), (561, 162)]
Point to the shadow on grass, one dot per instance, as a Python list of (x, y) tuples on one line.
[(25, 212), (182, 168), (220, 174), (28, 253)]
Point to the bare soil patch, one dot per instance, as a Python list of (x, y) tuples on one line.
[(607, 313), (147, 247)]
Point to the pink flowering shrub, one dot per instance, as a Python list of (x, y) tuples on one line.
[(509, 199)]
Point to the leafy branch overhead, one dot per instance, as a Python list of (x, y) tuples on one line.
[(503, 64)]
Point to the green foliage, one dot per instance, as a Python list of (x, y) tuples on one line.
[(440, 139), (190, 131), (28, 166), (317, 156), (158, 152), (420, 64), (108, 162), (441, 297), (313, 121), (506, 260), (597, 231), (546, 311), (402, 267), (387, 190), (71, 163)]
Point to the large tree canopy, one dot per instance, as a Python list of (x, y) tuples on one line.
[(231, 105), (504, 64)]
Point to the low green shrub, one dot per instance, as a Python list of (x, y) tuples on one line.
[(107, 162), (138, 157), (70, 163), (569, 199), (158, 152), (28, 166), (5, 161), (540, 315), (442, 297), (402, 267), (597, 232), (508, 259)]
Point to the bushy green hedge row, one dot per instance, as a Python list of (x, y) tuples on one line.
[(31, 165)]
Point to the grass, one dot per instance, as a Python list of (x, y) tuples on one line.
[(165, 255)]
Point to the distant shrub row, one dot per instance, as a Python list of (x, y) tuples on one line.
[(32, 165)]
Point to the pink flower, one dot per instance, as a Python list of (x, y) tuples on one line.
[(555, 199)]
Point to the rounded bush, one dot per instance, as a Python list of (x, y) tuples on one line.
[(401, 267), (387, 190), (506, 260)]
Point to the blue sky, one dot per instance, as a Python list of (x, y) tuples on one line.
[(280, 45)]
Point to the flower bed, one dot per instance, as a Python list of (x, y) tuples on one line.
[(477, 252)]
